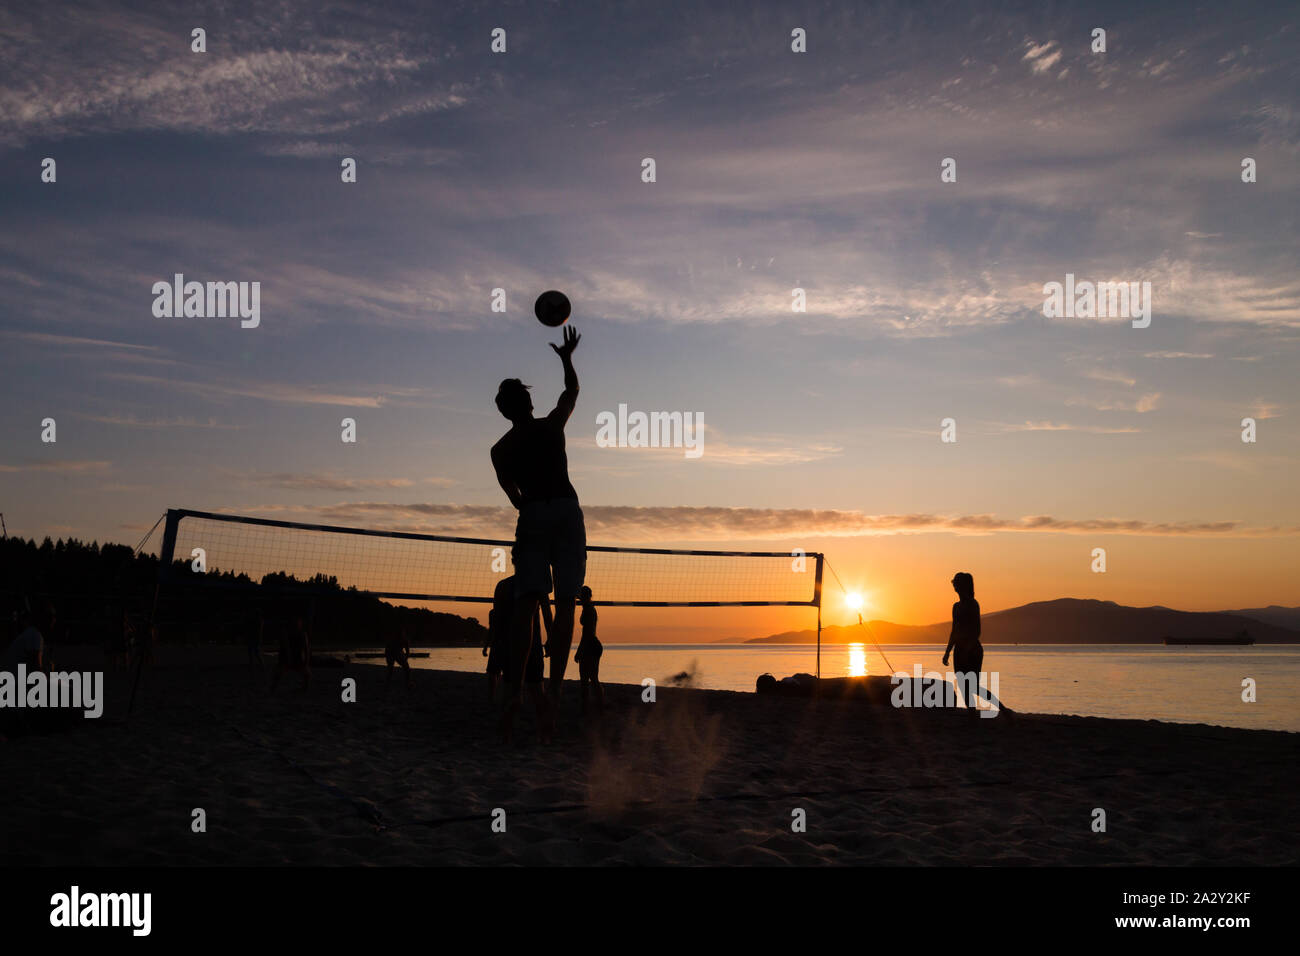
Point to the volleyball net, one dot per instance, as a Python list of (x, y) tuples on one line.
[(403, 566)]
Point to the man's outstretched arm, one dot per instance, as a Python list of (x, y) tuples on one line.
[(569, 398)]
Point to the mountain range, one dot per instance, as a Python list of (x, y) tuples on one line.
[(1075, 621)]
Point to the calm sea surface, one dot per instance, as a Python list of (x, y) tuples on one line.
[(1183, 684)]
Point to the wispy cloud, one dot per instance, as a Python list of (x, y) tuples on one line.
[(269, 392), (73, 341), (1142, 404), (1022, 380), (58, 467), (326, 483), (754, 452), (1111, 375), (1042, 56), (128, 421), (1050, 426), (89, 351), (255, 78)]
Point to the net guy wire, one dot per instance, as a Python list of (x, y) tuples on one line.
[(862, 624)]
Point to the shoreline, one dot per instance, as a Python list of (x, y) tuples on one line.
[(635, 688)]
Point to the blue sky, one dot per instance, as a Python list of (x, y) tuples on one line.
[(774, 170)]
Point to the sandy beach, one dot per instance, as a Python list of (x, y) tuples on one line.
[(698, 777)]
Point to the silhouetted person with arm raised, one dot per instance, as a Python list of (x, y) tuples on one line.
[(965, 638), (550, 535)]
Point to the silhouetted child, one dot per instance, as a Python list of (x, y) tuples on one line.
[(295, 654), (119, 640), (256, 632), (498, 632), (589, 651), (146, 642), (133, 643), (397, 651), (964, 640)]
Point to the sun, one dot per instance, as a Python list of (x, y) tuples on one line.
[(854, 601)]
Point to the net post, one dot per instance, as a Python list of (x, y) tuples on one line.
[(167, 552), (165, 555), (817, 598)]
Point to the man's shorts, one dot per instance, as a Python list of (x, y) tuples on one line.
[(550, 536)]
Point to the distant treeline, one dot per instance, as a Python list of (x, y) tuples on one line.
[(90, 586)]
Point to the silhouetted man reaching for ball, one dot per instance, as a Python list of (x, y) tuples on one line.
[(550, 536)]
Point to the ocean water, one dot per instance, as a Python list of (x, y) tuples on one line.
[(1180, 684)]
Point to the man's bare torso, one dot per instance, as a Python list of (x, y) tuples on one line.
[(532, 456)]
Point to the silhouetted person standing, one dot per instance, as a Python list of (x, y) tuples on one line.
[(550, 535), (589, 651), (964, 640)]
